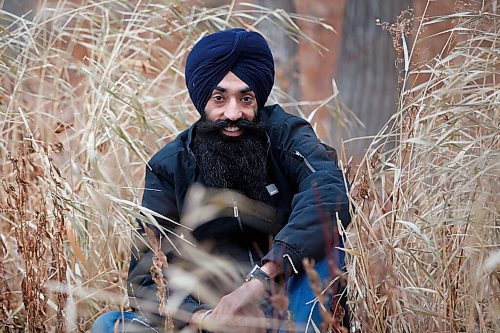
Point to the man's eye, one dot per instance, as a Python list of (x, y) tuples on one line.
[(247, 99), (218, 98)]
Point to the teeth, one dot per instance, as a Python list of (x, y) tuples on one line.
[(232, 128)]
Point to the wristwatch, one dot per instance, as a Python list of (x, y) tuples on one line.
[(259, 274)]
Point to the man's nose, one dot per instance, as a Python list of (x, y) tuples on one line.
[(233, 110)]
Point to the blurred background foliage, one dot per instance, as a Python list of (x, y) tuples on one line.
[(89, 90)]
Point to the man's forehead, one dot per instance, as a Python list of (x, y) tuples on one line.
[(231, 82), (221, 88)]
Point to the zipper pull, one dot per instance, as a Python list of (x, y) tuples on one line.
[(298, 154), (309, 166), (235, 210)]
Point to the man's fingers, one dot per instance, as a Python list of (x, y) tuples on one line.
[(228, 305), (253, 319), (249, 320), (218, 321)]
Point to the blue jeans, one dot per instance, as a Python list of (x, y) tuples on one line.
[(124, 321), (302, 306), (302, 301)]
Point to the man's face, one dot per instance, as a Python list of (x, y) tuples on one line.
[(231, 142), (231, 100)]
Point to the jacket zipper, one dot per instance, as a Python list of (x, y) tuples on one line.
[(236, 214), (311, 168)]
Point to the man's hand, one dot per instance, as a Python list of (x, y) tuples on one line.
[(250, 319), (239, 311), (249, 293), (236, 312)]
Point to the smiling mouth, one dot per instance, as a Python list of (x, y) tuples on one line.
[(232, 128), (232, 131)]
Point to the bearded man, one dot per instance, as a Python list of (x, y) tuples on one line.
[(285, 194)]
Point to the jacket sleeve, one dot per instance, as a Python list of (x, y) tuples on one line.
[(159, 196), (320, 199)]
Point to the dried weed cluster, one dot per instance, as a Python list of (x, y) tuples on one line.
[(424, 243), (89, 92)]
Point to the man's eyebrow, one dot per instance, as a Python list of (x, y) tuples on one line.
[(223, 90), (245, 90), (220, 89)]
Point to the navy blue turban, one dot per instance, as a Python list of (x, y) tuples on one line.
[(244, 53)]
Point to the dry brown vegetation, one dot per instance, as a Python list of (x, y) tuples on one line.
[(89, 92), (424, 243)]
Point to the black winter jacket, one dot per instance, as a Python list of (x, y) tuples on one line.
[(311, 193)]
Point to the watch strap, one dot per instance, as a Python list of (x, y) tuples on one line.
[(259, 274)]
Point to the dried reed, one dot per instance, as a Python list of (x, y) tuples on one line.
[(91, 90), (424, 242), (95, 89)]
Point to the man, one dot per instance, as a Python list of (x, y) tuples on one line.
[(248, 154)]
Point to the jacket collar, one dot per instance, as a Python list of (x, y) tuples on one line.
[(190, 134)]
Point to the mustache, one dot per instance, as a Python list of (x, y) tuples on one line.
[(206, 126)]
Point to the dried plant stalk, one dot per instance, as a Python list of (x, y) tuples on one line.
[(5, 293), (30, 233), (58, 233), (426, 210), (159, 265)]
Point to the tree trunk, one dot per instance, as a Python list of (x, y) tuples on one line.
[(366, 71), (284, 49), (20, 7)]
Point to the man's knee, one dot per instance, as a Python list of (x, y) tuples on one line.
[(118, 321)]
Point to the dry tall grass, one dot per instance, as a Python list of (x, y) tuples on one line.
[(88, 93), (425, 241)]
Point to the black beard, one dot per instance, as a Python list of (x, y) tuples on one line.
[(236, 163)]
